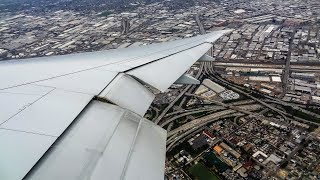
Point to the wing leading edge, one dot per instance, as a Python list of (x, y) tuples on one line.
[(52, 126)]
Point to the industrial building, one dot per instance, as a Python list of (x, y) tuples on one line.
[(213, 86)]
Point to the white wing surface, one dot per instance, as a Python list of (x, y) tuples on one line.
[(80, 116)]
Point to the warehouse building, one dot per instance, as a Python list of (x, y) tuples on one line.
[(213, 86)]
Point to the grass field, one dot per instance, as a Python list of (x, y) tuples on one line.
[(200, 172)]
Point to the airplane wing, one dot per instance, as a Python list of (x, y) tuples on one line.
[(80, 116)]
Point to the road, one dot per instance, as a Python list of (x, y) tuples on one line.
[(211, 74), (286, 74), (201, 120), (175, 139), (181, 133), (295, 107), (246, 109), (164, 112), (189, 113), (200, 110), (241, 64), (201, 29)]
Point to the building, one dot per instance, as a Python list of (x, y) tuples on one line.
[(209, 94), (230, 150), (303, 75), (201, 89), (218, 149), (315, 99), (302, 89), (229, 95), (213, 86), (198, 142)]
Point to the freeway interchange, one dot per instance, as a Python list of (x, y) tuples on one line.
[(217, 110)]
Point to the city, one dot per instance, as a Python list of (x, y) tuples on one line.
[(255, 113)]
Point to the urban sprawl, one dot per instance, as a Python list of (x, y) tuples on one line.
[(256, 113)]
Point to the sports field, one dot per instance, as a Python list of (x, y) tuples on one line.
[(200, 172)]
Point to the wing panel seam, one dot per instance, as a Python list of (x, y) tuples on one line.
[(165, 57), (41, 134), (25, 107)]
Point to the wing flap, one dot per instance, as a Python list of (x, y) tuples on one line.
[(128, 93), (82, 145), (152, 166), (104, 142)]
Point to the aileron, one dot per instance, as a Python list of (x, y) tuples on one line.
[(163, 73)]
